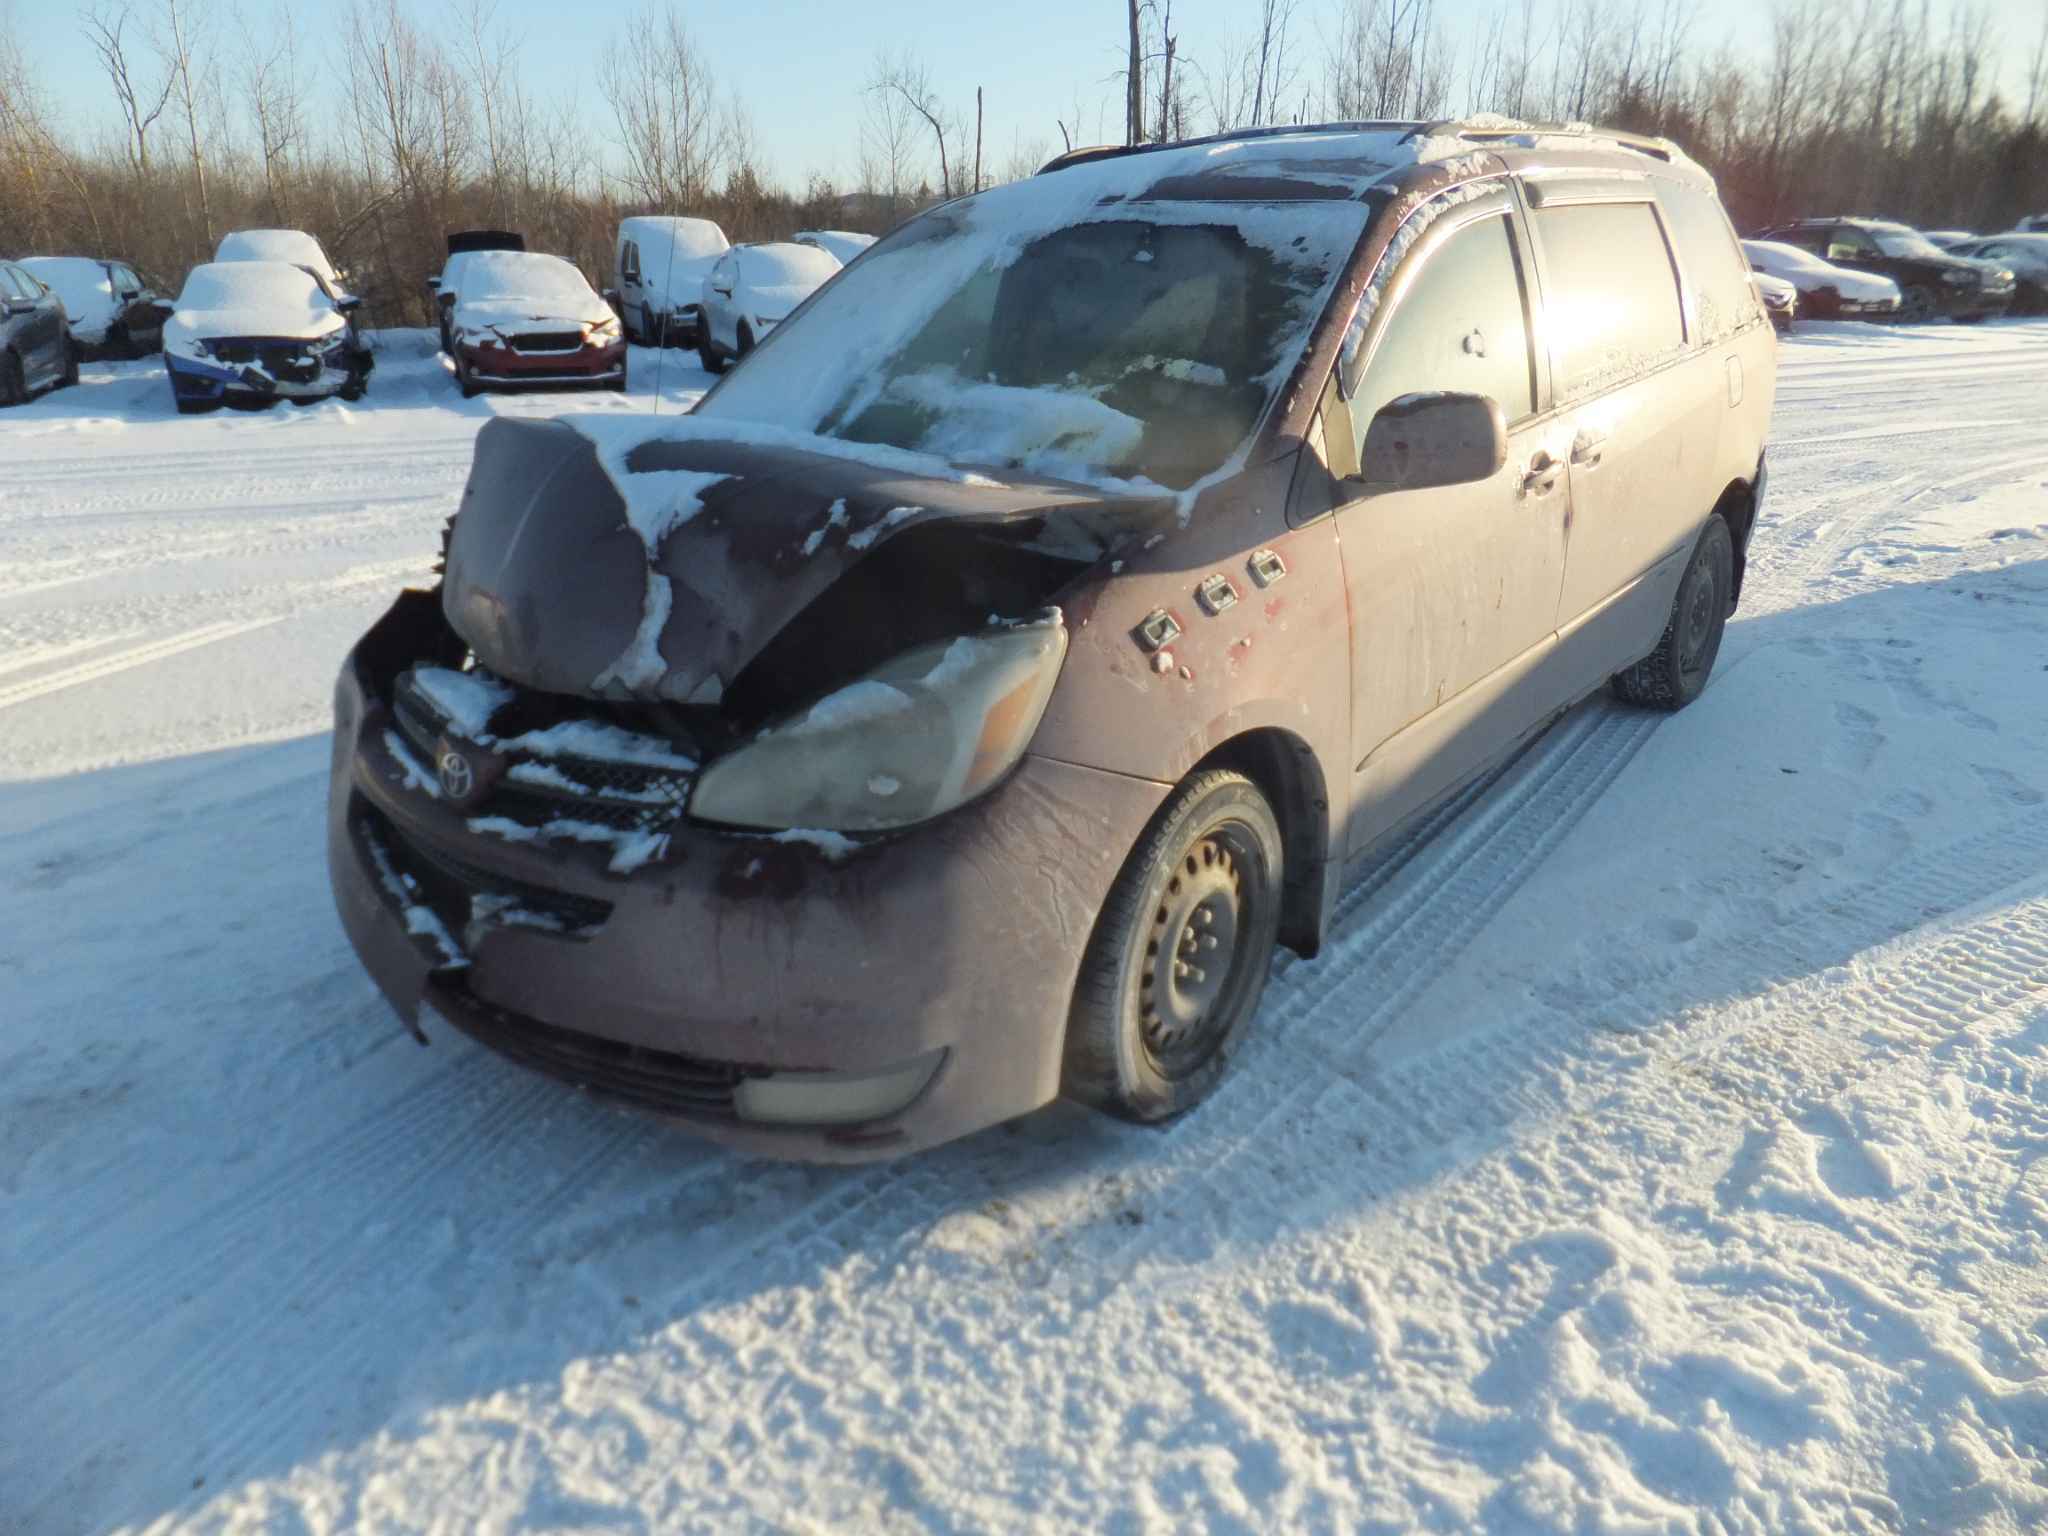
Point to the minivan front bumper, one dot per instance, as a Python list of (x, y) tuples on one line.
[(738, 974)]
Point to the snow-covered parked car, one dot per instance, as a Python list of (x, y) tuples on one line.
[(845, 244), (751, 289), (1948, 239), (36, 351), (1932, 283), (1826, 291), (250, 332), (2023, 254), (658, 266), (112, 308), (958, 705), (288, 245), (1781, 299), (523, 318)]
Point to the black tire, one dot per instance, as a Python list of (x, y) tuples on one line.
[(707, 355), (71, 356), (464, 379), (1151, 1031), (745, 338), (1917, 305), (13, 382), (356, 387), (1971, 319), (1676, 672), (196, 407)]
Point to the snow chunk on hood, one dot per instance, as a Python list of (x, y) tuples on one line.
[(250, 298)]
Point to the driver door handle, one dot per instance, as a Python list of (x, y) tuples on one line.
[(1587, 449), (1541, 479)]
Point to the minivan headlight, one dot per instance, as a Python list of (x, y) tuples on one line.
[(921, 734)]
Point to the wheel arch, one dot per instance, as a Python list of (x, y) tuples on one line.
[(1290, 776), (1737, 506)]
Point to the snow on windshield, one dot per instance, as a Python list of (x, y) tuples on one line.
[(1044, 328), (292, 245), (82, 284), (523, 275)]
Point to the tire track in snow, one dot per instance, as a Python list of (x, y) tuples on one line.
[(127, 660)]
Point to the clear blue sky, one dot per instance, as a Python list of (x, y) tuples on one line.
[(799, 64)]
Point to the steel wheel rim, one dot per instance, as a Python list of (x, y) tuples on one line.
[(1696, 620), (1195, 968)]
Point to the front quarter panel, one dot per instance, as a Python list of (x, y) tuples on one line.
[(1276, 658)]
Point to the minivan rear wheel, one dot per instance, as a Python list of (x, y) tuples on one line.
[(1177, 963), (1675, 673)]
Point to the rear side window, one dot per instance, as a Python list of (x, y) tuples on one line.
[(1610, 295), (1716, 275), (1461, 326)]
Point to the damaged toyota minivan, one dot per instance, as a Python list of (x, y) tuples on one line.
[(959, 705)]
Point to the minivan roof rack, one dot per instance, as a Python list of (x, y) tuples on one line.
[(1086, 153), (1483, 130)]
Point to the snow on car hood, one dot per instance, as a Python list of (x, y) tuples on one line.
[(684, 284), (250, 298), (1862, 285), (606, 555), (527, 315)]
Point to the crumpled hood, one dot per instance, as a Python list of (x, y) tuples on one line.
[(596, 560)]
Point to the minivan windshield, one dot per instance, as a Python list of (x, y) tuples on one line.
[(1137, 340)]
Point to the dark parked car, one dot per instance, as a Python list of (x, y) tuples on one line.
[(35, 343), (111, 306), (2023, 254), (1932, 282), (958, 706)]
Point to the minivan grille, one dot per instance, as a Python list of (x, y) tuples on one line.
[(666, 1081), (461, 893), (621, 793)]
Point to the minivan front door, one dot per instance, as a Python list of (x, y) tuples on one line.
[(1454, 590)]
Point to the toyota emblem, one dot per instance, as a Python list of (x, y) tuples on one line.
[(458, 779)]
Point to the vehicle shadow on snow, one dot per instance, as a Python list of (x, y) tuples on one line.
[(333, 1233)]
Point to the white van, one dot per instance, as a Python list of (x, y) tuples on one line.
[(658, 268)]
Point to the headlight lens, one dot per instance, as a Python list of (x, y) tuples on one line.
[(918, 736)]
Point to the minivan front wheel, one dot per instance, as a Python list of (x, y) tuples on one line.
[(1178, 960), (1675, 673)]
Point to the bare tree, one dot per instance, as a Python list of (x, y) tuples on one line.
[(183, 28), (663, 99), (141, 103), (905, 77), (274, 92)]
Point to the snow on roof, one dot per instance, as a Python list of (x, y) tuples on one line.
[(292, 245), (662, 236), (784, 264), (251, 298)]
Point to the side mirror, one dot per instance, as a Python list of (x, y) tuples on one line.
[(161, 313), (348, 303), (20, 306), (1422, 441), (434, 283), (727, 292), (445, 298)]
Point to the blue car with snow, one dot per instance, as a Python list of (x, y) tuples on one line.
[(254, 332)]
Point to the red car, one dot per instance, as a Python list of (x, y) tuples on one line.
[(523, 318)]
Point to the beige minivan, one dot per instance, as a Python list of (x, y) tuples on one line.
[(957, 707)]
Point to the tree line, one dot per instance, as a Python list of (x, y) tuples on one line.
[(379, 132)]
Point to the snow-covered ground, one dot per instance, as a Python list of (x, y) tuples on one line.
[(1658, 1146)]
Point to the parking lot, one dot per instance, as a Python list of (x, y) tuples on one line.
[(1660, 1130)]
